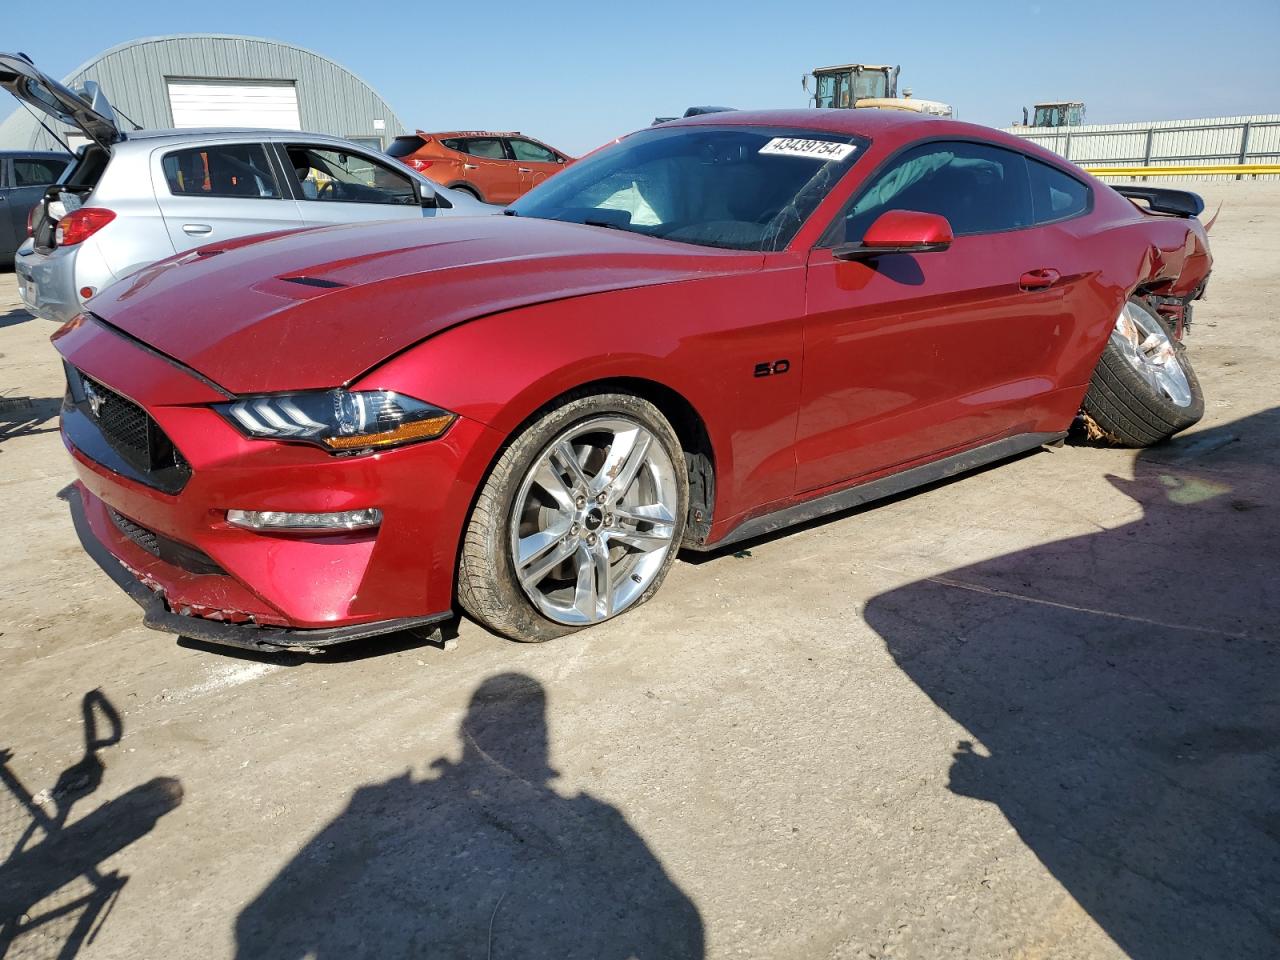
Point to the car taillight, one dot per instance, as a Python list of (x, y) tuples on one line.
[(420, 165), (79, 225)]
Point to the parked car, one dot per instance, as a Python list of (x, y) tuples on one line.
[(24, 175), (493, 167), (700, 334), (136, 197)]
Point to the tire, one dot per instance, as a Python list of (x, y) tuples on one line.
[(517, 507), (1140, 397)]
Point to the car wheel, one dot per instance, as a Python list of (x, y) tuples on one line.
[(579, 520), (1143, 389)]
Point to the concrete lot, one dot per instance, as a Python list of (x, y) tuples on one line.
[(1034, 712)]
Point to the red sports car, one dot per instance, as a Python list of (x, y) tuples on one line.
[(701, 333)]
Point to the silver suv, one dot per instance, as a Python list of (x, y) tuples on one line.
[(132, 198)]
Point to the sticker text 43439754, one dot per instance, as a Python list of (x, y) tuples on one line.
[(813, 149)]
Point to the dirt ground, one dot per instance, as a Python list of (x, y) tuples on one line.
[(1033, 712)]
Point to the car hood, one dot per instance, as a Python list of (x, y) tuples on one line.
[(313, 309)]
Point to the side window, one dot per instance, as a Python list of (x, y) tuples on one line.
[(1054, 194), (221, 170), (530, 152), (979, 189), (348, 177), (454, 144), (490, 148), (36, 171)]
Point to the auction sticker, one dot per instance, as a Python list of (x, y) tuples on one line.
[(813, 149)]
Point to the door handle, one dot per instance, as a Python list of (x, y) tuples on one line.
[(523, 170), (1040, 279), (470, 166), (196, 229)]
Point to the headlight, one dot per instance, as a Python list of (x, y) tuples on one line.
[(339, 420)]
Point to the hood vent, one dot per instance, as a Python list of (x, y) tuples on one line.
[(313, 282)]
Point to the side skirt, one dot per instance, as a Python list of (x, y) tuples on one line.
[(888, 486)]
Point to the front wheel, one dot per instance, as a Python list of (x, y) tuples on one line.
[(1143, 389), (579, 520)]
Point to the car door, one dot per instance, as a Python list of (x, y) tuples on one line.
[(342, 185), (23, 181), (534, 162), (909, 357), (219, 190), (489, 168)]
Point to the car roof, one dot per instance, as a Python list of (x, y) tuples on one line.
[(900, 125), (473, 133)]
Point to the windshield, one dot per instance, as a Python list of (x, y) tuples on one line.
[(744, 188)]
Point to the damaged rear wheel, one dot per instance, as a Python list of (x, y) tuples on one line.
[(1143, 389)]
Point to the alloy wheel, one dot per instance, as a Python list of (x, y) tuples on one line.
[(1147, 347), (594, 520)]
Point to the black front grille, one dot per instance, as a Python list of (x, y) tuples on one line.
[(170, 551), (130, 432), (124, 422)]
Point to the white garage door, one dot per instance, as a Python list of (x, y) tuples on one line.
[(216, 103)]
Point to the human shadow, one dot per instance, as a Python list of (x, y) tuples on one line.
[(36, 873), (1123, 690), (483, 859)]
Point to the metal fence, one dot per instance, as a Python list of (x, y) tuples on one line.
[(1166, 143)]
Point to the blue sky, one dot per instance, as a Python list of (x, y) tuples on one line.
[(577, 74)]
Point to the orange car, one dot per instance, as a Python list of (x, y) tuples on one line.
[(495, 167)]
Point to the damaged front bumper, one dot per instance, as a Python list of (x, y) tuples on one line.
[(249, 636)]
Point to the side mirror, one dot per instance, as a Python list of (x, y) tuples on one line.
[(899, 231), (426, 196)]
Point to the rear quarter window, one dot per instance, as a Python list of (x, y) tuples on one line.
[(221, 170), (403, 146), (1055, 195)]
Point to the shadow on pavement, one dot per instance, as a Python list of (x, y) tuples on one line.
[(483, 859), (53, 896), (20, 416), (1123, 688), (13, 317)]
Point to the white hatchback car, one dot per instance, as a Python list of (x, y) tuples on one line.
[(132, 198)]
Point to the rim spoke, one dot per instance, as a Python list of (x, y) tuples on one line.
[(585, 596), (647, 513), (556, 552), (604, 584), (564, 454), (626, 455), (644, 541), (550, 480)]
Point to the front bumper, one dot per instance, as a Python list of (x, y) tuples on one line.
[(218, 582), (248, 636)]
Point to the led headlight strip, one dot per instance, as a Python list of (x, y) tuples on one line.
[(339, 420)]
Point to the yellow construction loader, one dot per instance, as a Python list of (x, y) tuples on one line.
[(863, 85)]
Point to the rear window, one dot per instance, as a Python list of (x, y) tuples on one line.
[(223, 170), (1054, 194), (488, 147), (37, 171), (403, 146)]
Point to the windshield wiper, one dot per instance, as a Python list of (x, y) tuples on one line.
[(608, 224)]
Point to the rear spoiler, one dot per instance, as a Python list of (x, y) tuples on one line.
[(1180, 203)]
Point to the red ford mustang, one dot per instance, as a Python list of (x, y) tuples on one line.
[(704, 332)]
